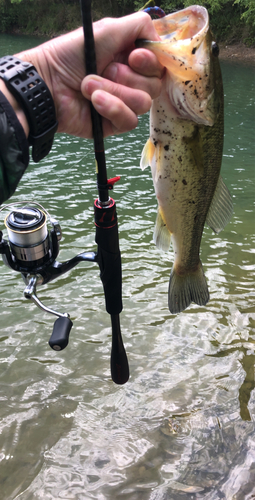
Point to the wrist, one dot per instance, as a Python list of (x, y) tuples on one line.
[(16, 107), (35, 100)]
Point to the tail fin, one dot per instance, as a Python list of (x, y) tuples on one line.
[(188, 288)]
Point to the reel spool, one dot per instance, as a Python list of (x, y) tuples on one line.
[(28, 236)]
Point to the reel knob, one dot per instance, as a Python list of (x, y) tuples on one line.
[(60, 335)]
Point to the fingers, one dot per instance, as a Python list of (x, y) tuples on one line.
[(145, 63), (123, 75), (118, 104), (139, 25), (124, 31), (137, 100), (124, 92), (117, 37), (119, 118)]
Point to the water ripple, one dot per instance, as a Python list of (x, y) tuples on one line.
[(184, 422)]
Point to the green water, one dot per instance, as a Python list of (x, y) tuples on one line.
[(183, 426)]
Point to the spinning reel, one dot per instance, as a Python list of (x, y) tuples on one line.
[(32, 250)]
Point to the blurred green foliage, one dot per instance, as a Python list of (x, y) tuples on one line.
[(231, 20)]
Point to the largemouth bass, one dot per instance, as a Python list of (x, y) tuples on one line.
[(185, 149)]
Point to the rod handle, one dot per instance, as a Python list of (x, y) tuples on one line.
[(119, 360)]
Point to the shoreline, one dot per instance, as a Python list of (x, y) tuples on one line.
[(228, 52), (237, 52)]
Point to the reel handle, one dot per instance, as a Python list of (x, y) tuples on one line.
[(60, 335)]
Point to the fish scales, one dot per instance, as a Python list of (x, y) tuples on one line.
[(185, 149)]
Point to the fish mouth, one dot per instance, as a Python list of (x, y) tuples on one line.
[(183, 24), (185, 51), (180, 32)]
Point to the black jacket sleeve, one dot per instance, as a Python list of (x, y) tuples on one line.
[(14, 150)]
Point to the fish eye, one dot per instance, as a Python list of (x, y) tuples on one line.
[(215, 49)]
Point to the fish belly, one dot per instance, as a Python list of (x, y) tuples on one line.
[(179, 186)]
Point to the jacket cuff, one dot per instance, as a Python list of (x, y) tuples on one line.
[(14, 150)]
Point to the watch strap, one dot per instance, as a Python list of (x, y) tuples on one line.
[(32, 93)]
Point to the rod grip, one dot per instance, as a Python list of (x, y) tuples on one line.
[(60, 335), (109, 258), (119, 360)]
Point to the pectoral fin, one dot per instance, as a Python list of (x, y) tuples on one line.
[(161, 236), (147, 154), (221, 208)]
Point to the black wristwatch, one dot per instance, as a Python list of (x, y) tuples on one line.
[(32, 93)]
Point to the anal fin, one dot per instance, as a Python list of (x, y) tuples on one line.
[(161, 235)]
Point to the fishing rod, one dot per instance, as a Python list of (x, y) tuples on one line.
[(107, 239)]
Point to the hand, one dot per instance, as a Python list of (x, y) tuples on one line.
[(126, 83)]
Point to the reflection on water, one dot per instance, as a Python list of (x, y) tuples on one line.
[(183, 426), (247, 363)]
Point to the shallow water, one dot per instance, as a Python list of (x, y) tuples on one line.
[(183, 426)]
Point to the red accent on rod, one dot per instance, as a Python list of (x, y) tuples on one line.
[(111, 182)]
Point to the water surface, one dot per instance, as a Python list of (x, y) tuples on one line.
[(183, 426)]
